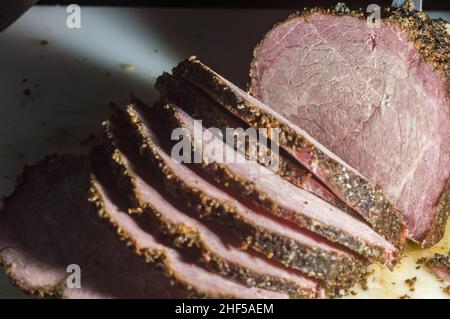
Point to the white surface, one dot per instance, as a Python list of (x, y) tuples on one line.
[(74, 91)]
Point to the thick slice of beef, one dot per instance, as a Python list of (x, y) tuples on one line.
[(183, 273), (377, 97), (268, 190), (364, 196), (211, 247), (48, 224), (275, 238)]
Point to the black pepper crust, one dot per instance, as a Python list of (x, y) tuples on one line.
[(186, 238), (431, 38), (359, 193), (224, 176), (47, 164), (337, 271)]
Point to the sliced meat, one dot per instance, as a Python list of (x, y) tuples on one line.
[(376, 97), (276, 239), (440, 265), (361, 194), (187, 275), (48, 224), (211, 247), (268, 190)]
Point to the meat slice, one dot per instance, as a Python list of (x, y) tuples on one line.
[(48, 224), (275, 238), (190, 277), (376, 97), (211, 247), (361, 194), (268, 190)]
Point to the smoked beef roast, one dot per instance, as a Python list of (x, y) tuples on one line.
[(376, 97)]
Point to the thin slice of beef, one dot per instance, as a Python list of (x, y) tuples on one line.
[(247, 179), (376, 97), (188, 276), (364, 196), (275, 238), (48, 224), (213, 248)]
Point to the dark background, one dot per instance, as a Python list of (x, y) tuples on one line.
[(279, 4)]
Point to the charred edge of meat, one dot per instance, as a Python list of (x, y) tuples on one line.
[(360, 194), (155, 258), (339, 273), (182, 237), (437, 229), (429, 35), (224, 176)]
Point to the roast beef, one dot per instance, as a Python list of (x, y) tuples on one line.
[(250, 180), (48, 224), (191, 278), (211, 247), (275, 238), (206, 109), (377, 97)]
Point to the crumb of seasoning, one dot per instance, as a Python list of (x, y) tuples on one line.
[(418, 267), (26, 92), (447, 290), (43, 42), (411, 283), (353, 293), (129, 68), (421, 261), (393, 283), (405, 296)]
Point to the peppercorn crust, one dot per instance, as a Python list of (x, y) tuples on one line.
[(431, 38), (188, 239), (337, 271)]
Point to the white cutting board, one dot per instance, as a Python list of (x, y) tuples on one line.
[(74, 77)]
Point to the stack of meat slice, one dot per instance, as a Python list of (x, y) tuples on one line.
[(304, 228)]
